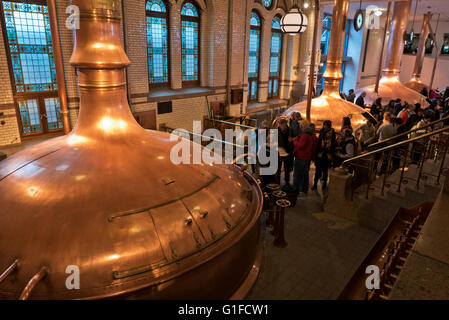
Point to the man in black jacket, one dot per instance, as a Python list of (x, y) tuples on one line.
[(361, 100), (285, 151)]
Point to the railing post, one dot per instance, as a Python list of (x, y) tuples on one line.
[(387, 170), (370, 176), (403, 169), (423, 160), (443, 160)]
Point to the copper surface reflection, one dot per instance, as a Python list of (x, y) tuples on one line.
[(118, 208)]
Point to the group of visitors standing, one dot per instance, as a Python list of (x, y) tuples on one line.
[(299, 146)]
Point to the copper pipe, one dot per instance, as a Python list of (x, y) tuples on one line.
[(33, 282), (333, 73), (8, 271), (390, 88), (437, 53), (312, 60), (62, 92), (398, 26), (229, 49), (421, 47), (379, 70)]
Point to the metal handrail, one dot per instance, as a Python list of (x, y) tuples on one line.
[(8, 271), (407, 133), (393, 146), (208, 138), (234, 124)]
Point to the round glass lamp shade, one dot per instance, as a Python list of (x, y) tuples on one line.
[(294, 21)]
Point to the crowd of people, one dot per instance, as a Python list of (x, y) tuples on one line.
[(300, 145)]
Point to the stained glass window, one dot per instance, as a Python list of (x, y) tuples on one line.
[(275, 58), (190, 25), (30, 116), (157, 42), (53, 111), (30, 46), (254, 56), (267, 3)]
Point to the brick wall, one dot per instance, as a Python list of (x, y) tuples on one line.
[(214, 49), (9, 128)]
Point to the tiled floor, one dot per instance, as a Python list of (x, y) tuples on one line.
[(323, 253), (10, 150)]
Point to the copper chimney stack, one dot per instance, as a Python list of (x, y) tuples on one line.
[(415, 82), (330, 106), (107, 199), (390, 88)]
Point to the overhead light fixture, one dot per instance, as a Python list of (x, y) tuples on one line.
[(294, 21), (378, 12), (306, 5)]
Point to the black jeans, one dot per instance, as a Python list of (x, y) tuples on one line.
[(301, 175), (288, 165), (321, 169)]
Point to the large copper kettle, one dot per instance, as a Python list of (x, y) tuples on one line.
[(107, 199)]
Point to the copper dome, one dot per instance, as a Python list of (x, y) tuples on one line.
[(107, 199), (390, 88), (330, 107)]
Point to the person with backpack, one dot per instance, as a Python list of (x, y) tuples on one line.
[(325, 154), (348, 148)]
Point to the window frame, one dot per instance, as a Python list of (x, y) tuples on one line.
[(442, 50), (39, 96), (197, 20), (256, 79), (270, 77), (166, 16)]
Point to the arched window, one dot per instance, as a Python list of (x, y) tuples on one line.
[(157, 42), (190, 26), (267, 3), (29, 48), (275, 58), (254, 56)]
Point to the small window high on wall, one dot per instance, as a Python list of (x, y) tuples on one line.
[(254, 56), (190, 26), (275, 58), (29, 48), (157, 42)]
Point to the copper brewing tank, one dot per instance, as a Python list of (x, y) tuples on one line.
[(330, 106), (415, 82), (390, 88), (107, 199)]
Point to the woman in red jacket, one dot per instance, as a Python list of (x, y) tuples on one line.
[(304, 151)]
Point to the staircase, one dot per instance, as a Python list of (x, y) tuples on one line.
[(372, 201)]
